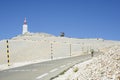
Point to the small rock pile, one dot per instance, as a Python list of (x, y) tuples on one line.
[(103, 67)]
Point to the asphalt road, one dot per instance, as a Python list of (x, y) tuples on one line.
[(42, 71)]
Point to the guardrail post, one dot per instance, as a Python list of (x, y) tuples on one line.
[(70, 50), (8, 54), (51, 51)]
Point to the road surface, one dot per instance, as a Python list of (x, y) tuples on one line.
[(42, 71)]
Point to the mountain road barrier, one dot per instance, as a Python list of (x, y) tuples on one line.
[(8, 54)]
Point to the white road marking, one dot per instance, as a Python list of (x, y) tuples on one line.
[(62, 66), (26, 70), (54, 70), (16, 70), (39, 77)]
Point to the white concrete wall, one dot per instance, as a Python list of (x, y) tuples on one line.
[(38, 48)]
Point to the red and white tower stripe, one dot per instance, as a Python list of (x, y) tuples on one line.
[(25, 27), (25, 21)]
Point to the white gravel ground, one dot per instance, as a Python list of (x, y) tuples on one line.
[(103, 67)]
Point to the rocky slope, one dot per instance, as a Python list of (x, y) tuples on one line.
[(103, 67)]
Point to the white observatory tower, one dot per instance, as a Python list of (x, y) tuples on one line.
[(25, 27)]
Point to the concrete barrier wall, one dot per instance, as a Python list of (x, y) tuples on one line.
[(30, 50)]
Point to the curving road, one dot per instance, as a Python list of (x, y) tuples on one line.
[(42, 71)]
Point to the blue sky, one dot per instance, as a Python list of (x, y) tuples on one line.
[(77, 18)]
